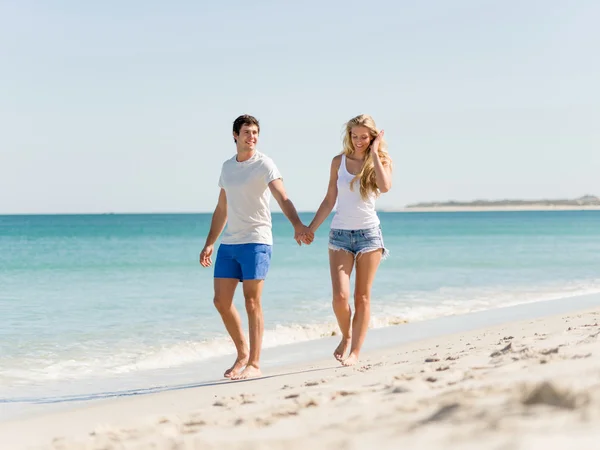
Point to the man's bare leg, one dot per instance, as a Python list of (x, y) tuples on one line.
[(224, 291), (340, 265), (366, 267), (252, 295)]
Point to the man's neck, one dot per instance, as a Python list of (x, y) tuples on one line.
[(244, 155)]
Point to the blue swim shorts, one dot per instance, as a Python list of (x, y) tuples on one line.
[(243, 261), (357, 241)]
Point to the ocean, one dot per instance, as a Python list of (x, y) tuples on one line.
[(90, 303)]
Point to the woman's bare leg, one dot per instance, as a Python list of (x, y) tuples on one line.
[(366, 267), (341, 264)]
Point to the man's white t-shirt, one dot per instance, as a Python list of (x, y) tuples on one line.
[(246, 185)]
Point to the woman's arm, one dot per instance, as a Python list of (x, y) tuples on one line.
[(330, 198), (383, 172)]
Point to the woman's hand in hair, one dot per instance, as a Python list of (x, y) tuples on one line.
[(375, 143)]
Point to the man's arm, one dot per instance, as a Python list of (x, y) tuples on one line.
[(217, 224), (288, 208)]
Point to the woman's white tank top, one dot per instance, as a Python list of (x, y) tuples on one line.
[(352, 212)]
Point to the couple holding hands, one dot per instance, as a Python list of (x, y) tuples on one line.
[(358, 175)]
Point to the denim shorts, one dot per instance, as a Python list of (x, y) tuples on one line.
[(357, 241), (243, 261)]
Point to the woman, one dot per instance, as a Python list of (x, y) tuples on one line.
[(358, 175)]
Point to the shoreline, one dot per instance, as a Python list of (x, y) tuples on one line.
[(41, 397), (311, 382), (274, 357)]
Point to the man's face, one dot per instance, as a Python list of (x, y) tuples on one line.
[(247, 138)]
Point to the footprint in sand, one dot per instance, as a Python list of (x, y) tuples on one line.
[(397, 390), (304, 401), (404, 377), (590, 338), (314, 383), (342, 394), (194, 425), (502, 351), (587, 355), (547, 393), (442, 413), (123, 434), (262, 422), (284, 414), (246, 401)]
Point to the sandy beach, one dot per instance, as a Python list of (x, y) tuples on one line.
[(525, 384)]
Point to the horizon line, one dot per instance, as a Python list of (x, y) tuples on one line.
[(440, 209)]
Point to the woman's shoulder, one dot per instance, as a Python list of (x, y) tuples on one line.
[(337, 160)]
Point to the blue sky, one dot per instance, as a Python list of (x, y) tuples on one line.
[(127, 106)]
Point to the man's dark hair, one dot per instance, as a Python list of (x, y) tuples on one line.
[(244, 119)]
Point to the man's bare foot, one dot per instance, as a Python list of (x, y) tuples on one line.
[(350, 360), (251, 371), (340, 351), (239, 363)]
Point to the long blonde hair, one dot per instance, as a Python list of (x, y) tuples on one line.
[(366, 176)]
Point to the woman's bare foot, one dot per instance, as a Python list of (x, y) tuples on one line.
[(239, 363), (340, 351), (350, 360), (251, 371)]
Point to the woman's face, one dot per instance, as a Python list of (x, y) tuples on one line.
[(361, 138)]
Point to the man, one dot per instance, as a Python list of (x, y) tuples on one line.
[(247, 181)]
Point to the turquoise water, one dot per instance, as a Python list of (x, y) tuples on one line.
[(84, 298)]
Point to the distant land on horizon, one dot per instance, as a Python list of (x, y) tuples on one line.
[(585, 202)]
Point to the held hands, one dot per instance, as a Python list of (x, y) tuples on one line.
[(205, 256), (303, 234)]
